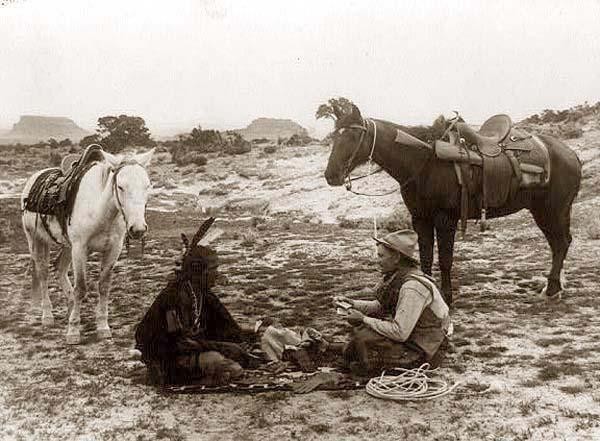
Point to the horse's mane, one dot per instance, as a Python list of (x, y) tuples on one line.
[(424, 133)]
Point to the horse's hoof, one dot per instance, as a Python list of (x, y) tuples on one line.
[(554, 298), (103, 334), (47, 320), (73, 339)]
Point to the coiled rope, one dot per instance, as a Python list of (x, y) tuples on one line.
[(410, 385)]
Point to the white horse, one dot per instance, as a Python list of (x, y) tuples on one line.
[(110, 202)]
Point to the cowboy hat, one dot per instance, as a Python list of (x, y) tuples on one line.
[(404, 242)]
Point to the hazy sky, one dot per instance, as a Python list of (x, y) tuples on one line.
[(181, 63)]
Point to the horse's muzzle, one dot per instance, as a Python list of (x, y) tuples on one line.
[(334, 179)]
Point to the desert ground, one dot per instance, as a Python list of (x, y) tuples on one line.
[(527, 369)]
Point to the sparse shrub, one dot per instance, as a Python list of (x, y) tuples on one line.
[(593, 228), (299, 139), (348, 223), (248, 240), (237, 149), (90, 139), (195, 158), (572, 132), (563, 123), (257, 220), (55, 159), (5, 230), (399, 219), (270, 149)]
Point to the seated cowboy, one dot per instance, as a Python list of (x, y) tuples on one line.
[(187, 333), (407, 322)]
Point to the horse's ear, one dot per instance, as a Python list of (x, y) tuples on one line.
[(112, 160), (356, 113), (185, 240), (144, 158)]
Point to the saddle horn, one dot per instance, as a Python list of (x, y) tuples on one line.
[(202, 231)]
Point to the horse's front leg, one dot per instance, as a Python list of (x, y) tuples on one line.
[(108, 262), (79, 255), (424, 229), (445, 229)]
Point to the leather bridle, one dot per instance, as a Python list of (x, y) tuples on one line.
[(115, 188), (364, 128)]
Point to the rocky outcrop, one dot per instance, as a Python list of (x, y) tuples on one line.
[(271, 128), (31, 129)]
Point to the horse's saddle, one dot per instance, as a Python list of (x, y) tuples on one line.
[(508, 158), (54, 190), (490, 135), (504, 153)]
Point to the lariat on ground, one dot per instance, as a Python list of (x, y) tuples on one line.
[(410, 385)]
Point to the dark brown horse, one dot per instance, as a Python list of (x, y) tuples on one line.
[(431, 191)]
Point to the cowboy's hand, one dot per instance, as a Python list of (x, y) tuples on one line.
[(342, 299), (355, 318)]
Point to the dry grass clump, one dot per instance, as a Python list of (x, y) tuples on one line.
[(592, 229), (399, 219)]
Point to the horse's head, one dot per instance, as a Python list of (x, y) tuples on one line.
[(131, 187), (348, 150)]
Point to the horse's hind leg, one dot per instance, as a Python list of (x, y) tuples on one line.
[(39, 252), (556, 228), (40, 259), (108, 261), (35, 295)]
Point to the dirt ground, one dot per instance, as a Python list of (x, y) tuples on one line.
[(527, 369)]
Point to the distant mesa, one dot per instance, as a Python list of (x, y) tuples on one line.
[(31, 129), (271, 128)]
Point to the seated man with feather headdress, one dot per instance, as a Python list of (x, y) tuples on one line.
[(187, 333)]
